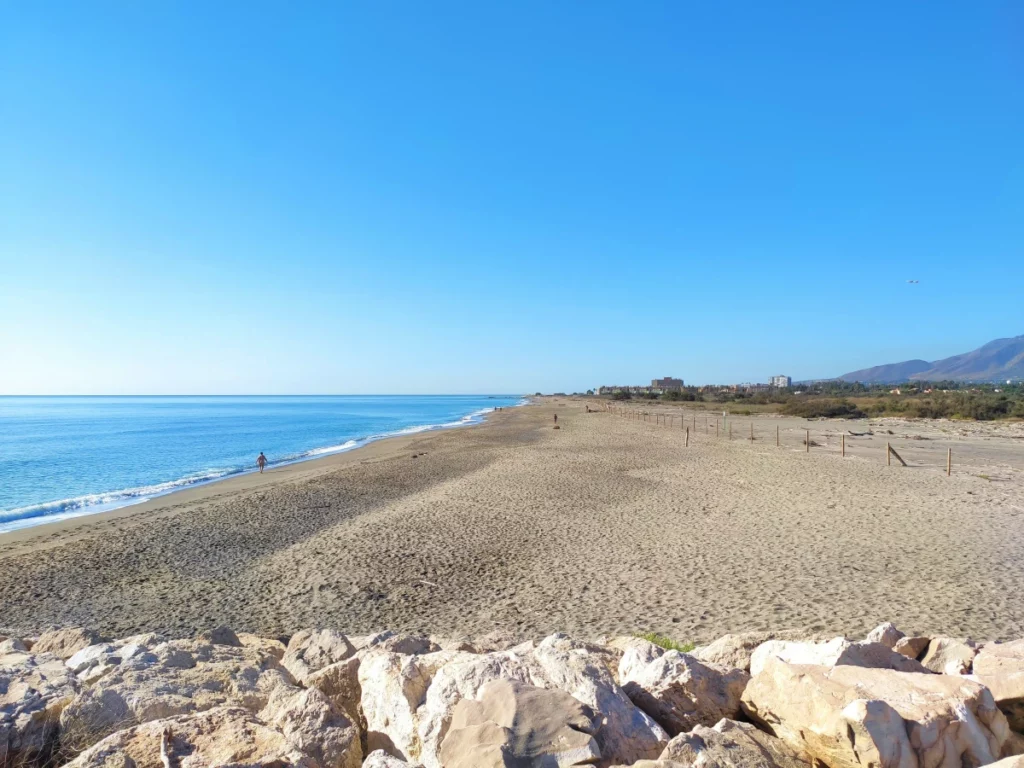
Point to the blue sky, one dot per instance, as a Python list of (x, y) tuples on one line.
[(471, 197)]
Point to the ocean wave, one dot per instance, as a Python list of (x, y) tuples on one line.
[(93, 502), (104, 502)]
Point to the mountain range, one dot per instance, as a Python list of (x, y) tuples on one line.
[(996, 361)]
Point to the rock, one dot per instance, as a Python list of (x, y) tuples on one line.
[(1000, 667), (65, 643), (93, 663), (174, 678), (1016, 761), (224, 736), (912, 647), (220, 636), (408, 644), (637, 653), (313, 726), (381, 759), (311, 650), (514, 724), (272, 647), (340, 684), (680, 692), (362, 642), (34, 689), (730, 744), (948, 656), (838, 651), (885, 634), (851, 717), (393, 688), (625, 734), (735, 650), (653, 764), (12, 645)]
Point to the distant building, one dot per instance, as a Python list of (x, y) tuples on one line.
[(667, 384), (780, 381)]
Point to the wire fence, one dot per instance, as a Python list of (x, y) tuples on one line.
[(867, 444)]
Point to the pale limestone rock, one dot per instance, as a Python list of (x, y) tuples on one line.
[(340, 684), (64, 643), (1017, 761), (948, 656), (513, 724), (34, 689), (885, 634), (637, 653), (393, 688), (219, 636), (224, 736), (680, 692), (12, 645), (625, 733), (912, 647), (174, 678), (653, 764), (268, 645), (851, 717), (313, 726), (838, 651), (310, 650), (1000, 667), (93, 663), (381, 759), (730, 744)]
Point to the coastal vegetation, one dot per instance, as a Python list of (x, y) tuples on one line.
[(838, 399)]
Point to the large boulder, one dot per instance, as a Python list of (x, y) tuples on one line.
[(625, 734), (886, 634), (636, 652), (730, 744), (393, 688), (680, 692), (96, 661), (64, 643), (912, 647), (851, 717), (513, 724), (314, 649), (838, 651), (173, 678), (949, 656), (340, 684), (381, 759), (1000, 667), (313, 726), (224, 736), (34, 689)]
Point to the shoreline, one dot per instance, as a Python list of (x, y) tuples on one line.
[(373, 449), (352, 445)]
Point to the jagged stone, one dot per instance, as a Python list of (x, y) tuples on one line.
[(851, 717), (637, 653), (1000, 667), (912, 647), (220, 636), (730, 744), (513, 724), (314, 649), (680, 692), (223, 736), (313, 726), (886, 634), (34, 689), (340, 684), (174, 678), (837, 651), (381, 759), (65, 643), (948, 656)]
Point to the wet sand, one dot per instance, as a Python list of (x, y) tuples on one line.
[(606, 525)]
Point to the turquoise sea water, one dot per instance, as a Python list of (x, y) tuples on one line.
[(62, 457)]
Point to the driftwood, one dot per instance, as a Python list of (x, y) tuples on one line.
[(898, 457)]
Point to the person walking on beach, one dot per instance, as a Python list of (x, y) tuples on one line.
[(261, 462)]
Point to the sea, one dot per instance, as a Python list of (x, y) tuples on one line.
[(62, 457)]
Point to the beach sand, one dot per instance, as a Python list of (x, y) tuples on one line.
[(604, 526)]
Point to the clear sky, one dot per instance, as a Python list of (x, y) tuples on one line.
[(478, 197)]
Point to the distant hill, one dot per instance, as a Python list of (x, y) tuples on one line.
[(996, 361)]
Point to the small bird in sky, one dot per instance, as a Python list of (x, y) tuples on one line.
[(915, 282)]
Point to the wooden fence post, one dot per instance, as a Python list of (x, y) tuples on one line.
[(751, 431), (776, 435), (687, 437), (949, 461), (716, 427), (888, 459), (844, 444), (730, 430), (807, 441)]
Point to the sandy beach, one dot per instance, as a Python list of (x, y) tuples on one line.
[(606, 525)]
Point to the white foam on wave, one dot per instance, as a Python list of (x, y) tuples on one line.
[(64, 509)]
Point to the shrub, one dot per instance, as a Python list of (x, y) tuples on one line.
[(666, 642), (812, 408)]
